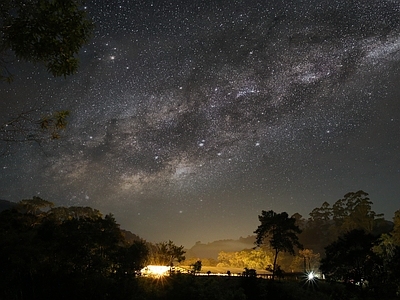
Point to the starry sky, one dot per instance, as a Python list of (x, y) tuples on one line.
[(190, 117)]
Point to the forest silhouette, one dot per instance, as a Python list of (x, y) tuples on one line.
[(76, 252)]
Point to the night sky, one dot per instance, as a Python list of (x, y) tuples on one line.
[(190, 117)]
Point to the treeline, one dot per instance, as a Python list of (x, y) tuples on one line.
[(348, 242), (323, 226), (326, 223), (262, 259), (51, 252), (71, 253), (357, 245)]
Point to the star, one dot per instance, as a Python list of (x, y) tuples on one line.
[(250, 107)]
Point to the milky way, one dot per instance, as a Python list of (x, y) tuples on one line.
[(188, 119)]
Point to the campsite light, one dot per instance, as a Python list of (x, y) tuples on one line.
[(310, 276), (155, 271)]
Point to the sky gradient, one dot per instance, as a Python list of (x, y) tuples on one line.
[(189, 118)]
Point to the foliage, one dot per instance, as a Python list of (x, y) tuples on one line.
[(396, 228), (300, 222), (61, 214), (65, 250), (84, 246), (250, 258), (305, 261), (34, 205), (387, 249), (318, 224), (166, 253), (350, 259), (50, 32), (196, 267), (55, 123), (131, 259), (210, 262), (353, 211), (280, 231), (75, 253)]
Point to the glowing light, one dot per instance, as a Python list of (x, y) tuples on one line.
[(155, 271), (310, 276)]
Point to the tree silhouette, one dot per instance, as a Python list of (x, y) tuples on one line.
[(280, 231), (196, 267), (354, 211), (63, 250), (34, 205), (350, 258), (166, 253)]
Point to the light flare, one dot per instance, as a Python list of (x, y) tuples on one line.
[(155, 271)]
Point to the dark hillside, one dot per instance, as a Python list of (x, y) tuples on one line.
[(4, 204)]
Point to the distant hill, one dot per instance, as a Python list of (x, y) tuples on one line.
[(130, 237), (4, 204), (211, 250)]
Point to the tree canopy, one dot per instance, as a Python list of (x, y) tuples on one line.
[(45, 249), (280, 231), (77, 253), (166, 253), (350, 258), (50, 32), (353, 211)]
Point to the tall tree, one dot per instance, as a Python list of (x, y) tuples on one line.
[(318, 225), (280, 231), (353, 211), (321, 215), (50, 32), (358, 212), (306, 261)]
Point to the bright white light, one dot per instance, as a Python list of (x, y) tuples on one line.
[(310, 276), (155, 271)]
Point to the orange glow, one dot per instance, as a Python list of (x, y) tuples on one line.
[(155, 271)]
